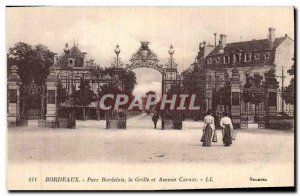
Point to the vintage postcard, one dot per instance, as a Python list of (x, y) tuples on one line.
[(150, 98)]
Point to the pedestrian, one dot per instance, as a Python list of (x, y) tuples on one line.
[(226, 124), (208, 128), (155, 118)]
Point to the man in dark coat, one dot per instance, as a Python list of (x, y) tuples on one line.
[(155, 118)]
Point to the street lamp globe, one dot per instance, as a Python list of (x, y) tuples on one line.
[(117, 50), (171, 50)]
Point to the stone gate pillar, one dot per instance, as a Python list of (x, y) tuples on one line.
[(271, 107), (271, 85), (235, 88), (13, 108), (51, 82), (208, 92)]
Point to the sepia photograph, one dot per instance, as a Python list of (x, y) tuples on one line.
[(150, 98)]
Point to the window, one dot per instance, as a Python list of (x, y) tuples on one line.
[(12, 93), (247, 57), (256, 74), (71, 62), (226, 59), (267, 55), (256, 56), (51, 97), (237, 58), (209, 61), (218, 60)]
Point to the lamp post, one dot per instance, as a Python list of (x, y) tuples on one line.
[(117, 51), (171, 52), (282, 76)]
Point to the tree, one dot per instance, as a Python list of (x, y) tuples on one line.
[(112, 89), (289, 91), (62, 97), (271, 81), (253, 91), (190, 77), (61, 94), (129, 78), (194, 81), (84, 96), (33, 62), (224, 95)]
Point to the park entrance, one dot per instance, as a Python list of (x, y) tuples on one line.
[(146, 58), (216, 88)]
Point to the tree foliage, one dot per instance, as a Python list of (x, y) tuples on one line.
[(84, 96), (61, 94), (271, 81), (129, 78), (223, 95), (253, 89), (289, 91), (191, 80), (33, 62)]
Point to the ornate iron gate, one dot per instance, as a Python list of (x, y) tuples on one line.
[(36, 94), (112, 81), (145, 57), (253, 107)]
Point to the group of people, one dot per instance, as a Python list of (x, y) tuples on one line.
[(209, 129)]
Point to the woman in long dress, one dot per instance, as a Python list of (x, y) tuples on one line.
[(226, 124), (209, 127)]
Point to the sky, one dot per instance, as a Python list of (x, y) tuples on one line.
[(98, 30)]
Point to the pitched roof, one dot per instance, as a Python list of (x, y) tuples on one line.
[(74, 53), (248, 46)]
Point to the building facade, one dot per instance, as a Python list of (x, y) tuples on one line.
[(70, 68), (250, 58)]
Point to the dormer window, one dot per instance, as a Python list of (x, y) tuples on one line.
[(226, 59), (267, 55), (247, 57), (237, 58), (71, 62), (209, 61), (218, 60), (256, 56)]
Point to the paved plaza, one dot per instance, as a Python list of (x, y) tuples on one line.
[(90, 141), (143, 152)]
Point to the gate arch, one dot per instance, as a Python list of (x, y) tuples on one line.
[(146, 58)]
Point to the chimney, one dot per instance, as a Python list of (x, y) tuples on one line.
[(215, 34), (84, 59), (55, 58), (222, 41), (271, 35)]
